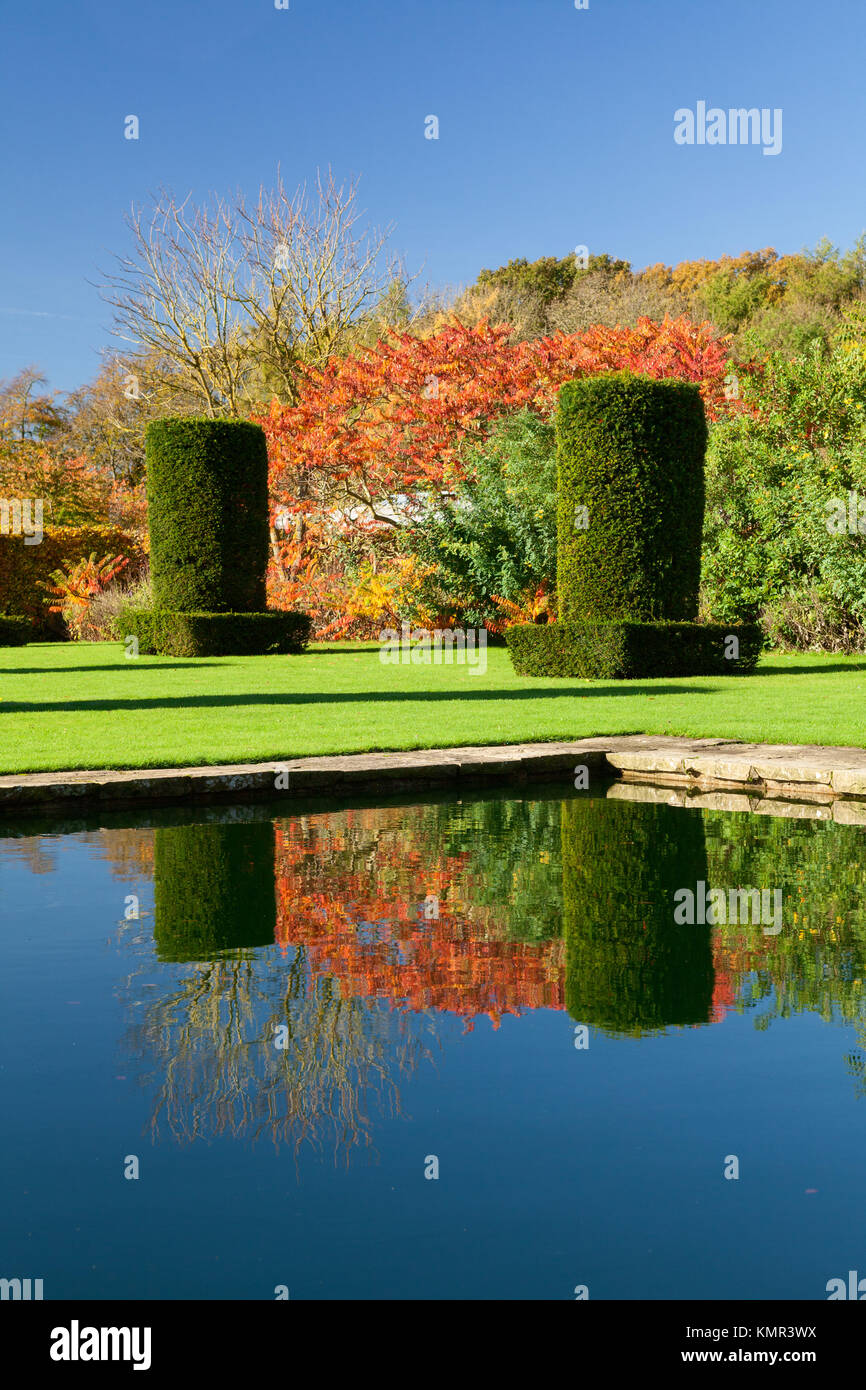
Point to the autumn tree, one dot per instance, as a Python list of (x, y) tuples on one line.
[(529, 295), (379, 439), (106, 418), (28, 412)]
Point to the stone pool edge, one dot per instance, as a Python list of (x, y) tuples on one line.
[(767, 778)]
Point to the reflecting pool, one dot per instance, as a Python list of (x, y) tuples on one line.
[(513, 1046)]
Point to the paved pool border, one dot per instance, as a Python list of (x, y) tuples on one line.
[(686, 771)]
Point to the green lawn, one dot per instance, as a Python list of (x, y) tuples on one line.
[(87, 706)]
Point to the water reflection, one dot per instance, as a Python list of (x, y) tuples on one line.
[(214, 889), (357, 932), (630, 967), (455, 909), (208, 1048)]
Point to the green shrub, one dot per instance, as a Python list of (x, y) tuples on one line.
[(214, 634), (138, 623), (207, 492), (497, 538), (630, 450), (773, 479), (14, 631), (808, 619), (622, 651)]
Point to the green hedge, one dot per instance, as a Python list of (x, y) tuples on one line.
[(207, 495), (617, 651), (630, 450), (213, 889), (214, 634), (14, 631)]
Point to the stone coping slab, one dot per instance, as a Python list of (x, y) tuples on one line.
[(760, 773)]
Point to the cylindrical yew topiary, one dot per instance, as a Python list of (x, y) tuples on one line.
[(630, 454), (207, 497)]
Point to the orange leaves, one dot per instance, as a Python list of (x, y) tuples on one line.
[(532, 607), (383, 595), (395, 418), (353, 915), (84, 579), (376, 437)]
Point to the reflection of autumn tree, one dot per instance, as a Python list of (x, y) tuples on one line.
[(456, 907), (515, 861), (818, 960), (37, 852), (419, 905), (128, 849), (211, 1047), (631, 967), (211, 1040), (724, 983)]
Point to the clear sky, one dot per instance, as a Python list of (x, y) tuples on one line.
[(556, 130)]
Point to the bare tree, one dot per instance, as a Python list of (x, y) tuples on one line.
[(314, 276), (233, 297)]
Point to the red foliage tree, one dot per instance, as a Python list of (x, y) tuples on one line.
[(376, 434)]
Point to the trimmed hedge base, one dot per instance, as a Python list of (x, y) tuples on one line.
[(14, 631), (164, 633), (632, 651)]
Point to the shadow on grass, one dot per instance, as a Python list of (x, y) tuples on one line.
[(83, 670), (338, 698), (768, 669), (343, 651)]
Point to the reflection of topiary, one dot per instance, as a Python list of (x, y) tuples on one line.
[(213, 889), (207, 495), (630, 967), (630, 454)]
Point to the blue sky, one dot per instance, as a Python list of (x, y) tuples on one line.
[(556, 130)]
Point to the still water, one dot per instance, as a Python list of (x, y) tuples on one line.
[(451, 1049)]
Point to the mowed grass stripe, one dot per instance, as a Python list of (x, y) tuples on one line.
[(75, 706)]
